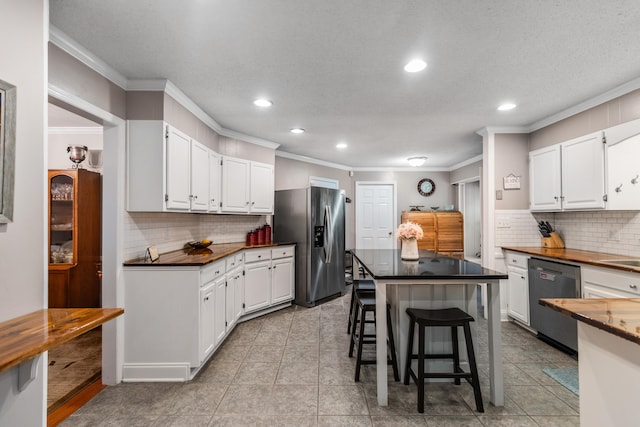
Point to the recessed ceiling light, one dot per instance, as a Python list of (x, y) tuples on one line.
[(341, 145), (507, 106), (416, 161), (261, 102), (415, 65), (296, 130)]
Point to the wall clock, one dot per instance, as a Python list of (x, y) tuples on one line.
[(426, 187)]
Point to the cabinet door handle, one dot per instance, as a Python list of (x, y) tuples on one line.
[(555, 198), (635, 180), (619, 188), (274, 267), (634, 287)]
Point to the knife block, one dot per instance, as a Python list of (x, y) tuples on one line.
[(554, 241)]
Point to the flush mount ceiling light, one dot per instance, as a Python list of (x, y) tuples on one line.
[(507, 106), (416, 161), (296, 130), (415, 65), (261, 102), (341, 145)]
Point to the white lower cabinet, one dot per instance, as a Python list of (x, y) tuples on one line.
[(608, 283), (207, 310), (518, 292), (178, 315), (257, 285), (282, 275)]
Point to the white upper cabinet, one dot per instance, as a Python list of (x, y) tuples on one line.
[(178, 169), (167, 171), (215, 171), (199, 177), (247, 186), (545, 183), (569, 176), (623, 166), (583, 185), (235, 184), (261, 188)]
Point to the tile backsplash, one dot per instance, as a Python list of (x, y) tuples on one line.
[(170, 231), (614, 232)]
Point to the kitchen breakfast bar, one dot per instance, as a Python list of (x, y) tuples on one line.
[(434, 281)]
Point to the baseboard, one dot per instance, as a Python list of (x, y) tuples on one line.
[(262, 312), (156, 372)]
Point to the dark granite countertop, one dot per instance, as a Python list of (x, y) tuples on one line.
[(198, 257), (618, 316), (387, 264)]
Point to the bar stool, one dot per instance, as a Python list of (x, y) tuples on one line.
[(452, 317), (366, 303), (362, 286)]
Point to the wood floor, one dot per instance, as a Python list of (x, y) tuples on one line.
[(63, 411)]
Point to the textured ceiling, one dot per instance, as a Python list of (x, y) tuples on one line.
[(334, 67)]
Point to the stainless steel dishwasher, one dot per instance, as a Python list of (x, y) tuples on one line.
[(553, 280)]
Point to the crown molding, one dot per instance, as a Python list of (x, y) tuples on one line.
[(401, 169), (305, 159), (616, 92), (62, 130), (153, 85), (73, 48), (502, 129), (465, 163)]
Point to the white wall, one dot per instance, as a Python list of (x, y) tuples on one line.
[(22, 243)]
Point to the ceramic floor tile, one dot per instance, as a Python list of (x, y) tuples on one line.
[(565, 395), (399, 421), (557, 421), (265, 353), (293, 400), (452, 421), (184, 421), (256, 373), (271, 338), (198, 398), (537, 400), (337, 373), (263, 421), (344, 421), (342, 400), (296, 352), (245, 400), (301, 372), (507, 421), (219, 372), (85, 420)]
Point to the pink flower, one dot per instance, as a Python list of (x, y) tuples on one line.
[(410, 230)]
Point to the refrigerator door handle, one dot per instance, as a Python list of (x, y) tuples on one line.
[(328, 248)]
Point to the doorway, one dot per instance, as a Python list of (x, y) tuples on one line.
[(75, 251), (376, 215), (469, 202)]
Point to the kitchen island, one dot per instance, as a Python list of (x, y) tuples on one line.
[(609, 362), (434, 281)]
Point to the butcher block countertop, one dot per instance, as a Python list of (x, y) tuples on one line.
[(576, 255), (618, 316), (27, 336), (198, 257)]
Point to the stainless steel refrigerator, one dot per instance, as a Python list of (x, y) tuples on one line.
[(313, 218)]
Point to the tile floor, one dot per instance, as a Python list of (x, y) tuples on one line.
[(291, 368)]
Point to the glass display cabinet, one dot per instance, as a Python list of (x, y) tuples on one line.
[(74, 238)]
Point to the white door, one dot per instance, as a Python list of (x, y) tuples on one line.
[(375, 216), (219, 313)]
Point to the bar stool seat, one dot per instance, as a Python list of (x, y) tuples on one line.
[(366, 303), (453, 318), (363, 285)]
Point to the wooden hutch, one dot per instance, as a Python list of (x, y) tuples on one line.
[(443, 231), (75, 232)]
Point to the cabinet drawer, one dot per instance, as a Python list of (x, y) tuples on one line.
[(282, 252), (518, 260), (617, 280), (211, 271), (257, 255), (233, 261)]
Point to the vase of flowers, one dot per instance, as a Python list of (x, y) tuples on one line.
[(409, 233)]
